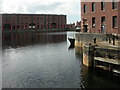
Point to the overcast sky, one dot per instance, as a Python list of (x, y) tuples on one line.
[(71, 8)]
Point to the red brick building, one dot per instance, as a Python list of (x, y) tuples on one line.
[(33, 21), (70, 26), (100, 17), (78, 24)]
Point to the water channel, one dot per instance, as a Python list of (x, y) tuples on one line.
[(45, 60)]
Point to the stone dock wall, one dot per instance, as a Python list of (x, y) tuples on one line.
[(95, 55), (84, 38), (104, 58)]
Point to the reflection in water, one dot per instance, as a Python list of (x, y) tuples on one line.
[(43, 60), (25, 39), (78, 52), (96, 78), (39, 60), (70, 47)]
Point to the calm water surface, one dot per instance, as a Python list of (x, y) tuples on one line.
[(44, 60)]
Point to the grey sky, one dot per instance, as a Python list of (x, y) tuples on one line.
[(71, 8)]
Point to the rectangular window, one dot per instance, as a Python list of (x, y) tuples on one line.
[(114, 21), (93, 7), (85, 8), (103, 20), (103, 5), (114, 4), (93, 22)]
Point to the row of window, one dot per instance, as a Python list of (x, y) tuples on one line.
[(114, 6), (41, 18), (103, 20), (38, 26)]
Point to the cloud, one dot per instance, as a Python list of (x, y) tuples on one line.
[(67, 7), (44, 7), (1, 6)]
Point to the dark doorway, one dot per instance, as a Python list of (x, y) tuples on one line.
[(18, 27), (7, 26), (53, 25), (85, 28), (13, 27), (37, 26), (25, 26), (32, 25), (103, 29)]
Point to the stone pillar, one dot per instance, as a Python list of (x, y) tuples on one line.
[(88, 55)]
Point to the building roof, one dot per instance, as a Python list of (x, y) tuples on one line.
[(31, 14)]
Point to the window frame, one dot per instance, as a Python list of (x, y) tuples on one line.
[(93, 7), (93, 22), (103, 5), (85, 8), (114, 4), (114, 22)]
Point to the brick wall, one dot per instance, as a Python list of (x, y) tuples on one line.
[(36, 21), (108, 13)]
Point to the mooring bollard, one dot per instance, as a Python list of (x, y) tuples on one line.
[(88, 55)]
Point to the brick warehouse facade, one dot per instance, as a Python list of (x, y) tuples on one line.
[(33, 21), (100, 17)]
